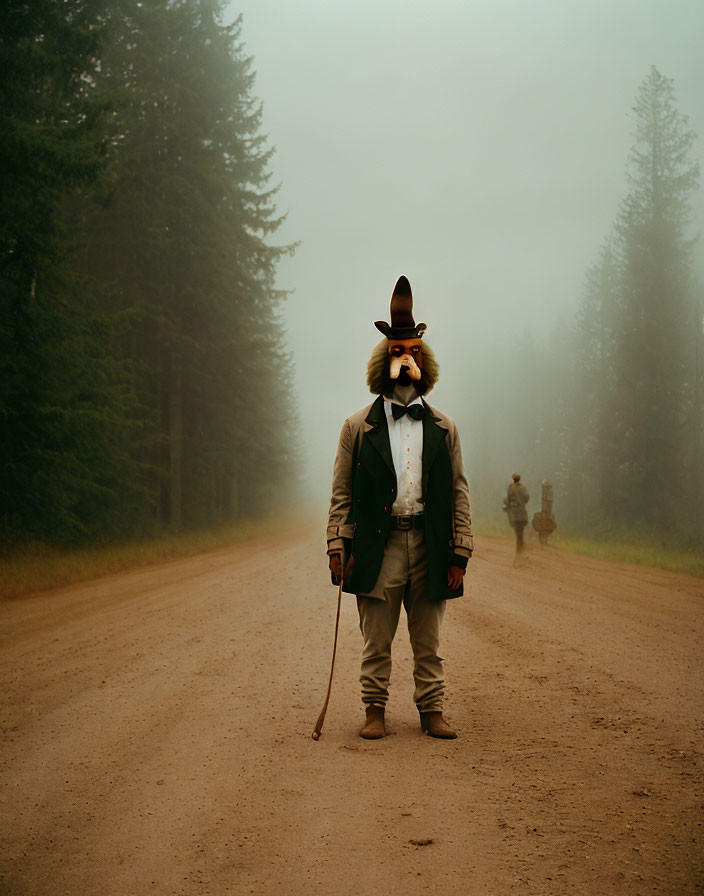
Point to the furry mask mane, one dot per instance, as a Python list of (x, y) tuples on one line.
[(379, 380)]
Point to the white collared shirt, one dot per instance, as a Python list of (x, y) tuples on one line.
[(406, 438)]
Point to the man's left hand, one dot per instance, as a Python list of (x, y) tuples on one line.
[(455, 574)]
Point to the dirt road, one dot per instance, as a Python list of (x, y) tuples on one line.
[(157, 735)]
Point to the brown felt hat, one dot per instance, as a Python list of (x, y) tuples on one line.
[(402, 325)]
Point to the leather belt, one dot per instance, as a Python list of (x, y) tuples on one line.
[(406, 523)]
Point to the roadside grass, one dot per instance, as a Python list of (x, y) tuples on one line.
[(492, 528), (647, 550), (644, 553), (38, 567)]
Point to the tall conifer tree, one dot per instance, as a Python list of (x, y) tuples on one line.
[(185, 242), (654, 310), (61, 474)]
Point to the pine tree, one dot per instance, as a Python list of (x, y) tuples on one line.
[(590, 481), (654, 312), (61, 476), (184, 241)]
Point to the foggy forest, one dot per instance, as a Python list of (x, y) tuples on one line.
[(149, 341), (472, 549)]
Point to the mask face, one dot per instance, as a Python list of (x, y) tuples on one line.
[(406, 361)]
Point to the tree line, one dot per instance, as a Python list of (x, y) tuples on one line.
[(610, 405), (145, 378)]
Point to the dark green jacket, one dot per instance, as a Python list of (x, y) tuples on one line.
[(364, 489)]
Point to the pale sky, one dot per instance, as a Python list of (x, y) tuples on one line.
[(478, 148)]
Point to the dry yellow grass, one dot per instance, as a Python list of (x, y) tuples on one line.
[(37, 567), (641, 551), (643, 554)]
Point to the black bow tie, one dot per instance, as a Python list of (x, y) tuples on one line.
[(415, 411)]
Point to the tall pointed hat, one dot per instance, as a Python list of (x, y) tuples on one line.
[(402, 324)]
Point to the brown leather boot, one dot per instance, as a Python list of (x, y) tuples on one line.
[(433, 724), (374, 727)]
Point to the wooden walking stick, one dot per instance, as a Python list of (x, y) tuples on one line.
[(321, 717)]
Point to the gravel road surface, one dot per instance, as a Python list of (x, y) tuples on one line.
[(156, 735)]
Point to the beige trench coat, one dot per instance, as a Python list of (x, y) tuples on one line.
[(353, 429)]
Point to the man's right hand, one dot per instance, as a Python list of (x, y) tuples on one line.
[(335, 563)]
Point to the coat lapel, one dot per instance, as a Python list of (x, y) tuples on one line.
[(378, 434), (433, 437)]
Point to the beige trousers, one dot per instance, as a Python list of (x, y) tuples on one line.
[(402, 580)]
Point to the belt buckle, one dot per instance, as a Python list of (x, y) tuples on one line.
[(404, 523)]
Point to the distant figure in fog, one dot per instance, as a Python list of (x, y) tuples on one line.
[(547, 497), (543, 521), (515, 506)]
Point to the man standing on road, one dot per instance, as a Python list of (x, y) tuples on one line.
[(399, 521), (515, 502)]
